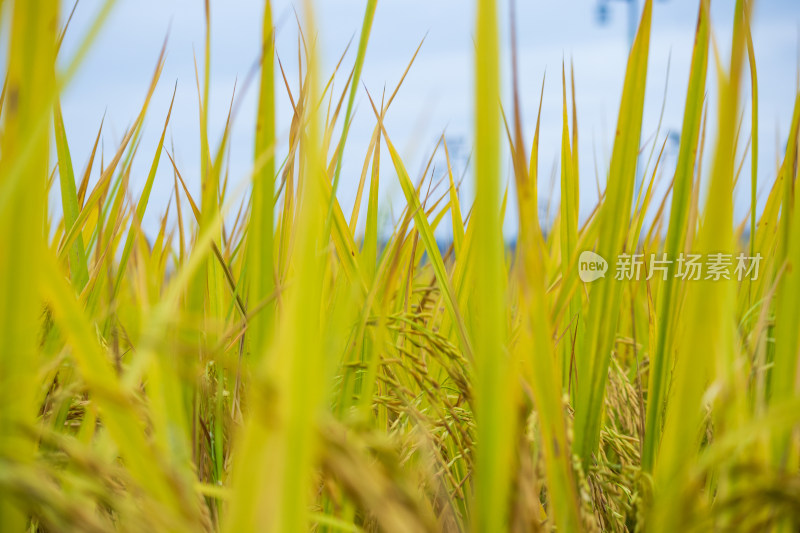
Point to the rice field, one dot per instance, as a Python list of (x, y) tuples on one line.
[(269, 362)]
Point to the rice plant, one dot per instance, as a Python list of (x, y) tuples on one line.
[(268, 362)]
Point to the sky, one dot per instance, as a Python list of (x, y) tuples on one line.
[(435, 98)]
